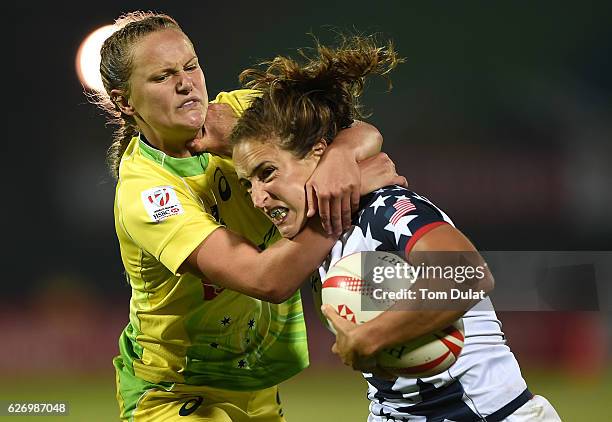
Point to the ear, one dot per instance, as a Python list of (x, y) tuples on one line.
[(118, 98), (319, 148)]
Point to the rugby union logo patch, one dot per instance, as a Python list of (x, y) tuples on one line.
[(161, 202)]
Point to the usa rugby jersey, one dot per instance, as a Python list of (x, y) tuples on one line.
[(485, 381), (183, 329)]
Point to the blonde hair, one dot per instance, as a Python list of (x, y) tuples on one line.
[(116, 69)]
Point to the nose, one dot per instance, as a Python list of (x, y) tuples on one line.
[(259, 196), (184, 83)]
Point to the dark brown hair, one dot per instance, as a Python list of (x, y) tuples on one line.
[(116, 68), (303, 102)]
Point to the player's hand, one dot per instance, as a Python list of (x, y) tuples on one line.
[(347, 345), (333, 190), (220, 120), (379, 171)]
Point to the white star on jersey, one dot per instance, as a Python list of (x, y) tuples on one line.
[(360, 214), (380, 202), (370, 241), (401, 227)]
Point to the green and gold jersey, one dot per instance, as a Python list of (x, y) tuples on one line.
[(183, 329)]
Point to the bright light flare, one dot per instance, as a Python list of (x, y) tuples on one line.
[(88, 58)]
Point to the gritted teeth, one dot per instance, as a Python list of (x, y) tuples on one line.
[(278, 213)]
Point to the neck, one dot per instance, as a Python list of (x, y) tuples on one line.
[(172, 146)]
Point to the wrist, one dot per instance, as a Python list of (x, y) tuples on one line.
[(342, 147), (366, 341)]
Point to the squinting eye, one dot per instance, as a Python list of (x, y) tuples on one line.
[(266, 173)]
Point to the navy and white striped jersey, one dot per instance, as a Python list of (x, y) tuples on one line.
[(485, 381)]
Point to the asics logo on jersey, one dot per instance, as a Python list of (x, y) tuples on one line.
[(190, 406), (223, 186)]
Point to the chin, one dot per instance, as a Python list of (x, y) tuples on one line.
[(291, 230), (195, 120), (288, 232)]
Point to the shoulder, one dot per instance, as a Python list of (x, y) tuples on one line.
[(221, 161), (394, 200), (137, 174), (393, 215), (239, 100), (144, 182)]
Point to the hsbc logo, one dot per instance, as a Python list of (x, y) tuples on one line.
[(161, 202)]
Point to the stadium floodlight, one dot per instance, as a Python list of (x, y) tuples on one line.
[(88, 58)]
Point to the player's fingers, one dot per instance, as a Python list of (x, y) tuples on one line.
[(311, 200), (334, 348), (196, 145), (329, 312), (335, 215), (192, 146), (323, 204), (333, 317), (339, 324), (400, 180), (346, 212), (355, 200)]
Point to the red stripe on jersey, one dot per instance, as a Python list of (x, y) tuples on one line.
[(403, 207), (420, 232)]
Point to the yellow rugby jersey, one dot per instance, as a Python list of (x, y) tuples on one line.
[(183, 329)]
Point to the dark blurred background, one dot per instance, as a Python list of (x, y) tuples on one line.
[(501, 115)]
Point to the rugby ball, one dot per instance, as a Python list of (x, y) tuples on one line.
[(349, 287)]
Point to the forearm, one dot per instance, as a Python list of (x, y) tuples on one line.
[(274, 274), (361, 140), (418, 315), (399, 327), (287, 263)]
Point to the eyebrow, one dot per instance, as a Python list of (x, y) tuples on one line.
[(256, 169), (171, 68)]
